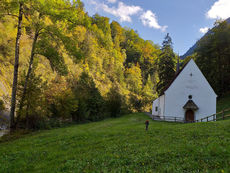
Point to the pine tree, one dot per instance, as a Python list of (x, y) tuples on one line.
[(166, 64)]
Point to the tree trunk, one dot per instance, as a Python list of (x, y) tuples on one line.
[(16, 64), (27, 76), (27, 116)]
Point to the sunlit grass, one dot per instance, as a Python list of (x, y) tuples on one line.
[(121, 145)]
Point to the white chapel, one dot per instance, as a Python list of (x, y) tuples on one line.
[(189, 96)]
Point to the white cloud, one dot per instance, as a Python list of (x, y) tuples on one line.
[(149, 19), (112, 1), (220, 9), (123, 11), (204, 30)]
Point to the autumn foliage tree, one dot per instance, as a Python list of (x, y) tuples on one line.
[(91, 68)]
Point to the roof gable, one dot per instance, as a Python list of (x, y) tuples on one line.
[(189, 63), (170, 83)]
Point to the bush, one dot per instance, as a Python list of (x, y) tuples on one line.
[(34, 110), (114, 102), (136, 103), (82, 113), (91, 104), (64, 105)]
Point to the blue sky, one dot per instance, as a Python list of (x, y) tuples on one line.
[(185, 20)]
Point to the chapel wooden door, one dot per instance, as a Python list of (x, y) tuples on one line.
[(189, 115)]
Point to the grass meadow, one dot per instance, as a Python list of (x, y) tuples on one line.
[(121, 145)]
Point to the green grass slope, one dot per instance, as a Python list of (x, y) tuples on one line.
[(122, 145), (223, 104)]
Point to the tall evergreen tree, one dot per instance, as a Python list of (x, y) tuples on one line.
[(166, 64)]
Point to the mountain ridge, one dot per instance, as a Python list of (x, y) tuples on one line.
[(192, 49)]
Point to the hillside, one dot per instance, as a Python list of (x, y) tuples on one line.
[(122, 144), (86, 62), (192, 49)]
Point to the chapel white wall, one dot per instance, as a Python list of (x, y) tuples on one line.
[(159, 103), (162, 105), (155, 104), (184, 85)]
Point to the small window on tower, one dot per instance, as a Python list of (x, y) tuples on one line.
[(156, 109)]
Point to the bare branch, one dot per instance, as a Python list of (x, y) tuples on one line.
[(9, 14)]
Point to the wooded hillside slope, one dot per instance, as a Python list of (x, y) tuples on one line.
[(84, 67)]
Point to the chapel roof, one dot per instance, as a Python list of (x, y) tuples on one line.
[(177, 74)]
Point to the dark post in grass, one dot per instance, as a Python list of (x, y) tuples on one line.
[(146, 125)]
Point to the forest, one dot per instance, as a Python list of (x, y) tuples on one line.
[(62, 65)]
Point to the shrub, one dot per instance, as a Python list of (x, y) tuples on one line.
[(34, 108), (114, 102), (64, 105), (136, 103), (91, 103)]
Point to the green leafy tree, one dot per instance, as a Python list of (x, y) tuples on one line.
[(114, 102), (64, 105), (212, 56), (91, 104), (117, 33), (135, 102), (134, 79), (149, 56), (148, 94), (87, 62), (45, 26), (103, 30), (60, 98), (34, 109), (2, 106), (11, 8)]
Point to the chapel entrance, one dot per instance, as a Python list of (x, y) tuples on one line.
[(189, 108), (189, 115)]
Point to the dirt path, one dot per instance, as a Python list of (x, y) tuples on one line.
[(3, 132)]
